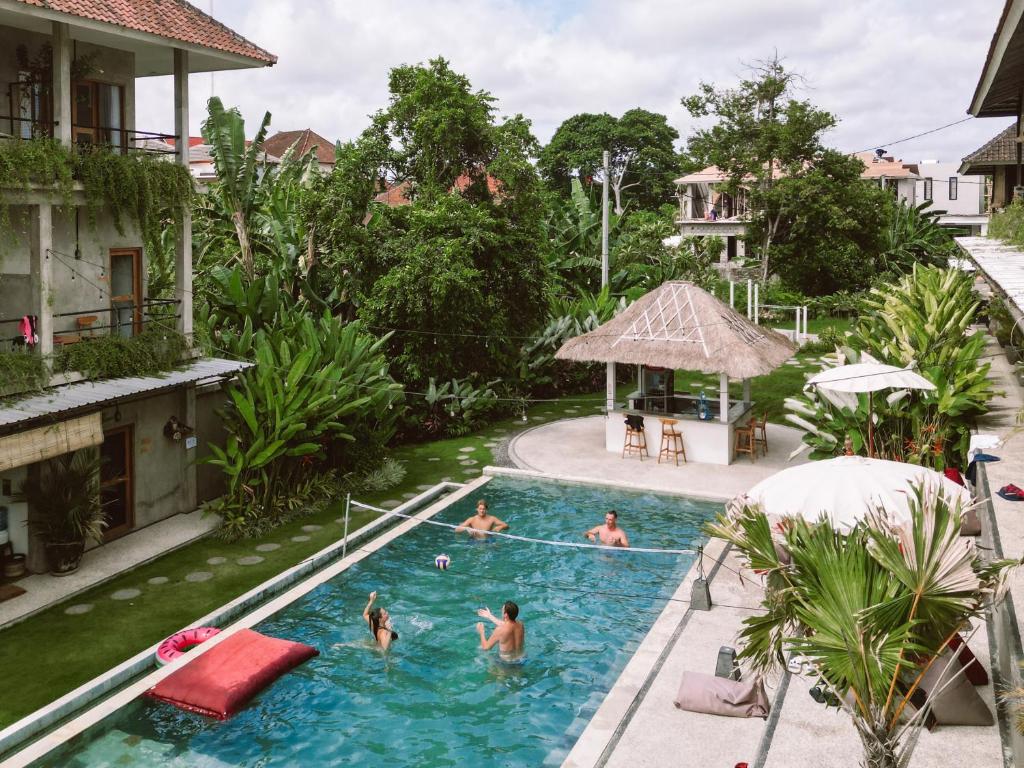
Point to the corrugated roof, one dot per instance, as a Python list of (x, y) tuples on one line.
[(85, 394), (170, 19)]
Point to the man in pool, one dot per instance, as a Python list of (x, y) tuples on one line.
[(609, 534), (483, 521), (509, 633)]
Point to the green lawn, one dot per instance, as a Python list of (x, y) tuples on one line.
[(51, 653)]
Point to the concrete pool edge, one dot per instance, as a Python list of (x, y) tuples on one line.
[(516, 472), (599, 739), (244, 611)]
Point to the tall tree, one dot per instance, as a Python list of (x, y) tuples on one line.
[(762, 134), (643, 157)]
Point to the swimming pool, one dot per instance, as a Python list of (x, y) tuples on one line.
[(436, 699)]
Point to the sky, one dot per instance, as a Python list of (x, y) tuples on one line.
[(888, 70)]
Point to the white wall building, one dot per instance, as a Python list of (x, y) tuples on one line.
[(962, 197)]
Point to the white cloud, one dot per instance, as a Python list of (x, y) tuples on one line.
[(888, 70)]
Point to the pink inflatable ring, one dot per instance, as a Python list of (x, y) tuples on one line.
[(177, 644)]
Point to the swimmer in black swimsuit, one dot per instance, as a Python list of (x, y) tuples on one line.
[(379, 622)]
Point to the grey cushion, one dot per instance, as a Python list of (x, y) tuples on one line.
[(959, 702), (719, 696), (971, 523)]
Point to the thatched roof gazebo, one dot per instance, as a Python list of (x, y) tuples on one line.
[(679, 326)]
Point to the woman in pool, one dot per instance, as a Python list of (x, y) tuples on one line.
[(379, 622)]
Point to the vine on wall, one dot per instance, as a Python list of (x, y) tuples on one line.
[(108, 357)]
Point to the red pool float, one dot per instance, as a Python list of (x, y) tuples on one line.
[(177, 644)]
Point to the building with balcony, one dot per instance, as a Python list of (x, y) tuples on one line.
[(706, 209), (79, 275)]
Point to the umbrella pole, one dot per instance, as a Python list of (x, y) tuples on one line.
[(871, 429)]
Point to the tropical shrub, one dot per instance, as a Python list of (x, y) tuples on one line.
[(316, 386), (923, 321), (456, 407), (1008, 224), (872, 608), (390, 473), (912, 235)]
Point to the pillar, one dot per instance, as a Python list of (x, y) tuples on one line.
[(183, 241), (61, 82), (40, 271), (746, 391), (723, 398), (189, 493)]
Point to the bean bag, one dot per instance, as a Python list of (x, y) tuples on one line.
[(221, 681), (719, 696)]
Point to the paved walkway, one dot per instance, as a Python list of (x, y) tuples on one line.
[(104, 563), (575, 448)]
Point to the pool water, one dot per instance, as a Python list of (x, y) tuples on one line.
[(436, 699)]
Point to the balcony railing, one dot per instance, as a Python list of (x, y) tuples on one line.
[(109, 137), (123, 319)]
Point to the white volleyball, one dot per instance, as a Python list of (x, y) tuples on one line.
[(442, 562)]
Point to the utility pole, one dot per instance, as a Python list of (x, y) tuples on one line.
[(610, 368)]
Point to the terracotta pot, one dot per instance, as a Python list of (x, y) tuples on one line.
[(64, 557), (14, 567)]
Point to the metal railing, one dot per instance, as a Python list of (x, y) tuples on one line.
[(130, 138), (151, 312)]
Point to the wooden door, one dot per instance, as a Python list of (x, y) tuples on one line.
[(117, 482), (126, 291), (84, 112)]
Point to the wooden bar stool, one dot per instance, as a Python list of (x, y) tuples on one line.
[(761, 432), (671, 442), (636, 439), (745, 441)]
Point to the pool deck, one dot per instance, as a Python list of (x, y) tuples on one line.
[(637, 724)]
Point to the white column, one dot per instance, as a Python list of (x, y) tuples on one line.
[(750, 298), (183, 242), (723, 398), (805, 321), (746, 391), (61, 82), (757, 320), (732, 294), (189, 460), (41, 239)]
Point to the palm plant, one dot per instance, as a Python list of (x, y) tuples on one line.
[(913, 235), (238, 170), (576, 239), (873, 608)]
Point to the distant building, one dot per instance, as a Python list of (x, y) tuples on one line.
[(302, 141), (892, 174), (962, 197), (993, 167)]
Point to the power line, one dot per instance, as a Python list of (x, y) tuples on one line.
[(916, 135)]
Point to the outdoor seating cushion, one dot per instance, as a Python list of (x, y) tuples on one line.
[(970, 525), (718, 696), (221, 681), (957, 703), (972, 667)]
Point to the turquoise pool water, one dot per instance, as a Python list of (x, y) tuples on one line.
[(436, 699)]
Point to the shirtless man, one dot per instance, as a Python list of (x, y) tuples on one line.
[(482, 521), (610, 534), (508, 633)]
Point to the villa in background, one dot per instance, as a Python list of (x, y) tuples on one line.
[(70, 69), (993, 168), (302, 141), (706, 208)]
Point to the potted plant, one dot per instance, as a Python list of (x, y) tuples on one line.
[(65, 494)]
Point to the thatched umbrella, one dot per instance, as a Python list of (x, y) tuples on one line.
[(681, 326)]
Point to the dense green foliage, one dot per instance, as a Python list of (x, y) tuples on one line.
[(643, 162), (872, 608), (22, 371), (1008, 224), (922, 320), (65, 493), (154, 350), (136, 187)]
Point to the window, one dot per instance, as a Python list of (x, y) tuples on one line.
[(98, 110), (30, 107), (928, 189), (126, 291), (952, 187)]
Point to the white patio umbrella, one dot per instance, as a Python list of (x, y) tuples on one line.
[(869, 377), (846, 488)]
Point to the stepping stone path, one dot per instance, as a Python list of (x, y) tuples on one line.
[(339, 521), (501, 431), (311, 528), (216, 561), (467, 449), (434, 458), (536, 418), (249, 560), (470, 472), (156, 581), (424, 487), (300, 539), (469, 463), (446, 479), (269, 547), (408, 495), (549, 413), (78, 610), (126, 594), (198, 576), (490, 445), (390, 503)]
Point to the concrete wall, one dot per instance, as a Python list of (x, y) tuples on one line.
[(209, 429), (161, 465), (970, 189), (17, 512)]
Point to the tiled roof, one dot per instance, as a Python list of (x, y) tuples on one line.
[(876, 167), (282, 141), (1000, 149), (172, 19)]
